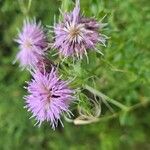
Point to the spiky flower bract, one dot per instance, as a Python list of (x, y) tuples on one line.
[(49, 97), (32, 42), (76, 34), (44, 65)]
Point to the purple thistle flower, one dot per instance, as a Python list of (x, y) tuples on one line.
[(32, 42), (76, 34), (48, 98)]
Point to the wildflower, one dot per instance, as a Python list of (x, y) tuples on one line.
[(32, 43), (75, 34), (48, 98)]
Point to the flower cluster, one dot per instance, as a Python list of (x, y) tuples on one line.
[(48, 95)]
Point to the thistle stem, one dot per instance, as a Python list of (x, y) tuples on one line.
[(114, 102), (131, 108), (29, 4), (78, 121)]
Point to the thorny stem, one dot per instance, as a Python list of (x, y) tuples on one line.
[(97, 93)]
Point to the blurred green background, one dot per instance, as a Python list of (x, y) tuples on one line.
[(124, 74)]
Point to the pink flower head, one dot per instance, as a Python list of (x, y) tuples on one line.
[(32, 42), (48, 98), (75, 34)]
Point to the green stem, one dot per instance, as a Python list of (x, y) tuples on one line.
[(114, 115), (114, 102), (24, 7), (131, 108), (29, 5), (65, 5)]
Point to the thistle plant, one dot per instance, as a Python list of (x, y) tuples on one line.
[(62, 86)]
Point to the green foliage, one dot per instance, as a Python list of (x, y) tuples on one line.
[(122, 73)]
